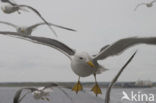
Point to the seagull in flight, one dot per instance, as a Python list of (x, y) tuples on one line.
[(150, 4), (27, 30), (13, 7), (40, 93), (83, 64)]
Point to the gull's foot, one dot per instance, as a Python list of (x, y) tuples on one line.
[(77, 87), (96, 89)]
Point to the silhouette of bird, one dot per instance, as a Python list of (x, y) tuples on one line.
[(27, 30), (150, 4), (107, 95), (40, 93), (11, 8)]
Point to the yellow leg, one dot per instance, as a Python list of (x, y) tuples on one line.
[(77, 87), (96, 89)]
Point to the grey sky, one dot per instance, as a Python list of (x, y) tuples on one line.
[(99, 22)]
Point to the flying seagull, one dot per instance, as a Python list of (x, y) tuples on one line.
[(150, 4), (82, 63), (9, 8), (40, 93), (107, 95), (27, 30)]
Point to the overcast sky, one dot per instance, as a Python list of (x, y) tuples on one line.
[(98, 22)]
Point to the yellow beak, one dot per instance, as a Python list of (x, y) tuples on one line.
[(90, 63)]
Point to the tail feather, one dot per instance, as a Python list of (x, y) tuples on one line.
[(101, 69)]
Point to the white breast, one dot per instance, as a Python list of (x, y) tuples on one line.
[(82, 69)]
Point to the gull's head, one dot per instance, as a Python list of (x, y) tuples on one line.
[(83, 58), (4, 8), (8, 8), (21, 30)]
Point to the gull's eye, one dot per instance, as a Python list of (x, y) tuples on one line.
[(80, 58)]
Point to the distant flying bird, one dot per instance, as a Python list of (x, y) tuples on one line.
[(40, 93), (9, 8), (150, 4), (27, 30), (82, 63)]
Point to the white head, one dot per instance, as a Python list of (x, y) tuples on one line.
[(83, 58)]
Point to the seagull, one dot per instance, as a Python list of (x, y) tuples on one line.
[(27, 30), (83, 64), (9, 8), (40, 93), (150, 4)]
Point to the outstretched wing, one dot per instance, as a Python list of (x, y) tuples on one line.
[(38, 24), (8, 1), (153, 1), (37, 12), (107, 97), (103, 48), (18, 98), (44, 41), (10, 24), (123, 44), (139, 6)]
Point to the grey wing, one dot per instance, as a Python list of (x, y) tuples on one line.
[(103, 48), (61, 89), (44, 41), (10, 24), (62, 27), (8, 1), (123, 44), (36, 25), (107, 96), (34, 10), (50, 85), (17, 98), (139, 6), (153, 1)]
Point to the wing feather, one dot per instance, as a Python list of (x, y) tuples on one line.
[(123, 44), (44, 41)]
